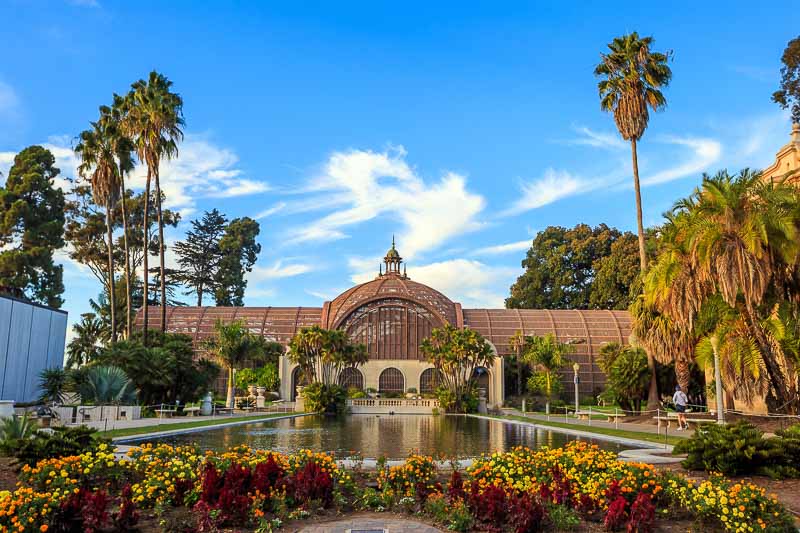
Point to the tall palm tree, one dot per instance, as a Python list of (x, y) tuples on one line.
[(112, 117), (233, 345), (154, 121), (518, 341), (84, 346), (632, 79), (633, 76), (96, 152)]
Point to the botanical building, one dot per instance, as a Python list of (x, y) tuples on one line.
[(392, 314)]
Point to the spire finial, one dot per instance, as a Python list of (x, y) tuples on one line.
[(392, 240)]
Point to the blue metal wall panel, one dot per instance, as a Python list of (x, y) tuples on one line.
[(58, 337), (5, 328), (37, 352), (18, 345)]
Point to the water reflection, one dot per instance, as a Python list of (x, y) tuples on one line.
[(393, 437)]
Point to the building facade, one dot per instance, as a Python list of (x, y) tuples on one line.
[(392, 314), (31, 340)]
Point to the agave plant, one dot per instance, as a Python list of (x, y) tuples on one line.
[(107, 385), (16, 428)]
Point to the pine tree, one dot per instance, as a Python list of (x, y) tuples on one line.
[(32, 227), (199, 255), (239, 253)]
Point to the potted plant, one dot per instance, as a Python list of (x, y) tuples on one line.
[(411, 393), (372, 393)]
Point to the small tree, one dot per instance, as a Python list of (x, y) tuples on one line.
[(322, 354), (456, 354), (788, 96), (547, 355), (233, 345), (627, 375)]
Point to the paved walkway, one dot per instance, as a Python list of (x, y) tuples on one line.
[(373, 524), (627, 426)]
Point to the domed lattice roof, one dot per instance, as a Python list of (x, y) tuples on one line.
[(389, 286)]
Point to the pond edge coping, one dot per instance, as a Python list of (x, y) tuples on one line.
[(645, 452)]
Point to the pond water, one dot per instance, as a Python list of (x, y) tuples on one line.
[(373, 436)]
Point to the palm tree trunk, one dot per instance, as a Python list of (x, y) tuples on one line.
[(683, 373), (146, 285), (127, 258), (111, 300), (230, 399), (639, 222), (652, 392), (163, 299)]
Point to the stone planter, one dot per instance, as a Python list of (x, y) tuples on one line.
[(251, 390), (6, 408)]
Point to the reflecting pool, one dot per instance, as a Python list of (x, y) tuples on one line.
[(372, 436)]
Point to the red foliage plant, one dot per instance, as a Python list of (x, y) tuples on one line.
[(526, 513), (455, 490), (233, 502), (489, 506), (211, 484), (84, 510), (267, 475), (126, 517), (311, 483), (643, 514), (616, 513)]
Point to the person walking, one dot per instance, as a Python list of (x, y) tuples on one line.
[(680, 400)]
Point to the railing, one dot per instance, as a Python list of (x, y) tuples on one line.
[(392, 402)]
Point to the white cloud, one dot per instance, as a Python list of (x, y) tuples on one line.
[(326, 295), (469, 282), (589, 137), (280, 206), (499, 249), (705, 152), (551, 187), (278, 270), (363, 185)]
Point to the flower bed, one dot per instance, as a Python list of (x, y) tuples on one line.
[(521, 490)]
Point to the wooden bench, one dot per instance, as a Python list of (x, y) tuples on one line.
[(689, 421), (165, 413), (613, 417), (582, 415), (192, 411)]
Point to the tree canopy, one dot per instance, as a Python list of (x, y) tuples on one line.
[(32, 227), (788, 96), (239, 251), (577, 268), (200, 254)]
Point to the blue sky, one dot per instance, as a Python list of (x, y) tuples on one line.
[(461, 127)]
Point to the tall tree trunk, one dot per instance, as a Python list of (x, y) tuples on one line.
[(200, 295), (163, 299), (229, 400), (111, 299), (127, 258), (145, 276), (639, 222), (683, 373), (652, 391)]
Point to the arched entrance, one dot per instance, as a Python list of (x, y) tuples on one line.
[(351, 378), (299, 379), (392, 381), (481, 377)]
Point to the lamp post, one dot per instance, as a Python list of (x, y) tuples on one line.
[(576, 368)]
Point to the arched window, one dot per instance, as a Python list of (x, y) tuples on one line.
[(299, 379), (391, 380), (391, 328), (429, 380), (351, 378)]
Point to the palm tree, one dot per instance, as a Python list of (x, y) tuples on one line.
[(96, 152), (632, 80), (107, 385), (83, 348), (518, 342), (154, 121), (234, 345), (113, 117), (549, 355)]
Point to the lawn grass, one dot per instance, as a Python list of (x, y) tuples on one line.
[(189, 424), (624, 433)]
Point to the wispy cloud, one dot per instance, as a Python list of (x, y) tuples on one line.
[(500, 249), (361, 185), (279, 270), (280, 206), (554, 185), (705, 152), (596, 139)]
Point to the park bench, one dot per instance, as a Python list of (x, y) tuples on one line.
[(613, 417), (583, 415), (165, 413), (674, 418), (192, 411)]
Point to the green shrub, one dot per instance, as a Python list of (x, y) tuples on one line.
[(13, 430), (460, 518), (448, 401), (321, 398), (354, 392), (563, 518), (732, 450), (59, 442), (787, 447), (265, 376)]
